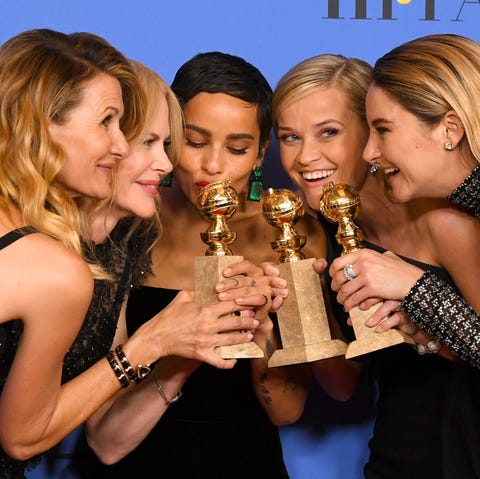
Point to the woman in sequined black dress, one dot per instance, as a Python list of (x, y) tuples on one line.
[(60, 130), (422, 109)]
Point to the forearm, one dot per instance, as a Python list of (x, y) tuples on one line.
[(115, 431), (282, 391), (437, 308)]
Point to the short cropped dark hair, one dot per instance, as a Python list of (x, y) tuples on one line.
[(217, 72)]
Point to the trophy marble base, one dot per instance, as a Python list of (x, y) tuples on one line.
[(208, 272), (302, 318), (367, 340)]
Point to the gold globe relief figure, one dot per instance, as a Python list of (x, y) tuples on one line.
[(218, 202), (340, 204), (302, 318)]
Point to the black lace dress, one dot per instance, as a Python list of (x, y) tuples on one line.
[(127, 259), (436, 307)]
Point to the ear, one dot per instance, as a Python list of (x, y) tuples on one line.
[(262, 152), (453, 128)]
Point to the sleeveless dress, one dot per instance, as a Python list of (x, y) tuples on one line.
[(217, 430), (126, 258), (428, 421)]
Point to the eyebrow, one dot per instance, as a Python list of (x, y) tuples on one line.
[(380, 120), (316, 125), (208, 133)]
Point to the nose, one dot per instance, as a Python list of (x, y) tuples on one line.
[(212, 160), (371, 152), (119, 146), (162, 163), (309, 151)]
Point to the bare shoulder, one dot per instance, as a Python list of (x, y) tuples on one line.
[(448, 220), (55, 279)]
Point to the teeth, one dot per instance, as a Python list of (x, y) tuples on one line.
[(316, 175), (389, 171)]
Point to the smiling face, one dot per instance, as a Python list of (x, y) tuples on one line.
[(409, 151), (91, 139), (222, 138), (321, 139), (138, 175)]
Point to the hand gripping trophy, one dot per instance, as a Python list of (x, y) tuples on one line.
[(340, 204), (302, 319), (217, 202)]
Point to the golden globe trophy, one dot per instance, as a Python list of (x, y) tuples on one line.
[(340, 204), (302, 318), (217, 202)]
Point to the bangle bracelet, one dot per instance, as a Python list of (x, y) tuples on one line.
[(117, 369), (162, 393), (127, 367), (133, 376)]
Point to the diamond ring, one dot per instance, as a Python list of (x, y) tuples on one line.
[(349, 272)]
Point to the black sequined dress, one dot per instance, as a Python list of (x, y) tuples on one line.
[(127, 259)]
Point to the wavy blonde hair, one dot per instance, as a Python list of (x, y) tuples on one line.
[(433, 74), (42, 74)]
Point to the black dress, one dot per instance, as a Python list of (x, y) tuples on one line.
[(10, 334), (428, 421), (216, 430), (125, 257)]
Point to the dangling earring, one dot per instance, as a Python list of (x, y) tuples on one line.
[(448, 145), (374, 166), (167, 180), (256, 185)]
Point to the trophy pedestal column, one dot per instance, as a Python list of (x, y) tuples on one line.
[(367, 339), (302, 318), (208, 272)]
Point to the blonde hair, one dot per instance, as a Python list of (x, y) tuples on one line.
[(42, 74), (433, 74), (352, 75)]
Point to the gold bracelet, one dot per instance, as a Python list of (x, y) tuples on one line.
[(162, 393)]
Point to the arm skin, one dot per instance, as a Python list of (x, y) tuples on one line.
[(36, 410), (123, 423), (432, 304)]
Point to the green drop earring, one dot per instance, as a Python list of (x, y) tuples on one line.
[(256, 184)]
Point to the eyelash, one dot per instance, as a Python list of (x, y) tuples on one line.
[(234, 151), (193, 144), (107, 120)]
